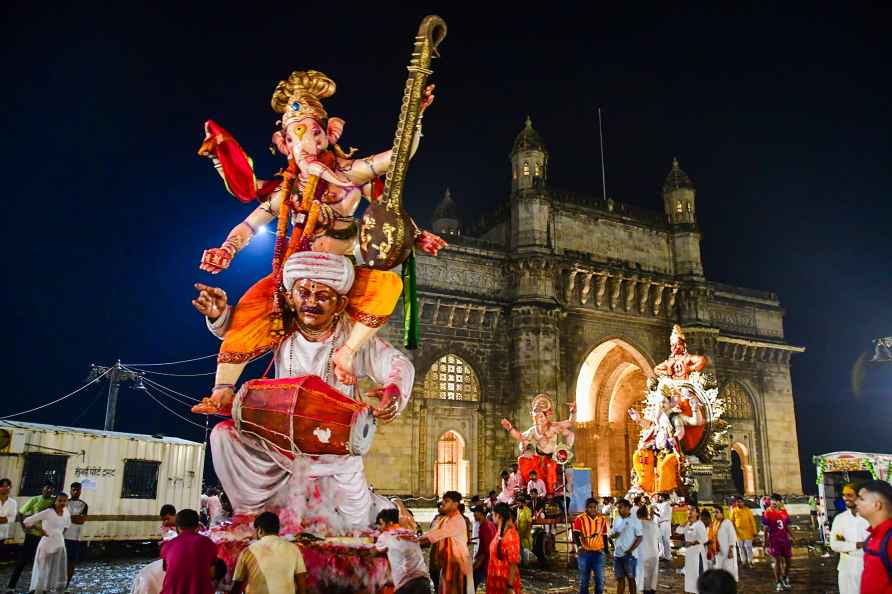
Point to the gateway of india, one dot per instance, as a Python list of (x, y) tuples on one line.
[(575, 296)]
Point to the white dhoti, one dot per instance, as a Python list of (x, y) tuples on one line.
[(850, 576), (257, 478), (665, 539)]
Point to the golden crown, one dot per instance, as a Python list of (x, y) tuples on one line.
[(299, 96)]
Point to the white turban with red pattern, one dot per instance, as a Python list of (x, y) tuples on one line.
[(331, 270)]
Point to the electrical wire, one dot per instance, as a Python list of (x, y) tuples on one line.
[(162, 387), (164, 392), (91, 382), (174, 413), (171, 374), (96, 398), (169, 362)]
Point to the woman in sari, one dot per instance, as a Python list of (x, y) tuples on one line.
[(503, 572)]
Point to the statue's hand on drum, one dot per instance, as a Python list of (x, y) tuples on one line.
[(388, 407)]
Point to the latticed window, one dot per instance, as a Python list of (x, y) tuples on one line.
[(737, 402), (450, 378), (526, 167)]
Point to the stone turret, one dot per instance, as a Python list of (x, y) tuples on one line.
[(445, 221), (679, 201), (529, 159)]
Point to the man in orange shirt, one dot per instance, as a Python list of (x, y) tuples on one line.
[(590, 536), (456, 572)]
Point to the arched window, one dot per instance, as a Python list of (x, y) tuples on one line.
[(451, 378), (737, 402), (526, 167), (678, 207), (538, 170), (452, 468)]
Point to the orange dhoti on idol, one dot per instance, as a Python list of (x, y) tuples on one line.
[(644, 463), (667, 472), (373, 297)]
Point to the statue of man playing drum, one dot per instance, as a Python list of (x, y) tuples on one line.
[(255, 475)]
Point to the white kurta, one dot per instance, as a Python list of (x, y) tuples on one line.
[(50, 571), (253, 475), (665, 524), (727, 541), (8, 509), (647, 571), (852, 529), (694, 555)]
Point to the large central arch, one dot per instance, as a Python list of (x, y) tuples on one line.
[(611, 380)]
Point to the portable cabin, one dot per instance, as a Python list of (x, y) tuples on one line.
[(836, 470), (125, 477)]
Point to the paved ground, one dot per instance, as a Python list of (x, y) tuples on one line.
[(811, 575)]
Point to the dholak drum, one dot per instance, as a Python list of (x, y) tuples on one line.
[(303, 415)]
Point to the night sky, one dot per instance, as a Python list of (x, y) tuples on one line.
[(782, 121)]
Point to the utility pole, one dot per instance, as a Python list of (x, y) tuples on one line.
[(117, 373)]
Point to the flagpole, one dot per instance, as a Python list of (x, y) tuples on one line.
[(603, 172)]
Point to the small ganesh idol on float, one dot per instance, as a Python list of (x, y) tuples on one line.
[(318, 194), (539, 443), (680, 403)]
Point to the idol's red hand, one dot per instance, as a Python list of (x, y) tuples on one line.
[(388, 407), (430, 243), (215, 260)]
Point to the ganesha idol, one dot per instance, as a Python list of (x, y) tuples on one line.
[(679, 408), (318, 194), (539, 444)]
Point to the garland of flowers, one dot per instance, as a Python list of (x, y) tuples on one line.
[(277, 328), (873, 471), (822, 467)]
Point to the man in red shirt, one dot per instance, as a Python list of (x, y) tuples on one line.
[(486, 532), (779, 541), (874, 504), (188, 559)]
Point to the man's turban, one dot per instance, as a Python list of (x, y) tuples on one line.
[(331, 270)]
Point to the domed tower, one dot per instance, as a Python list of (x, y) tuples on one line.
[(529, 159), (678, 200), (445, 221)]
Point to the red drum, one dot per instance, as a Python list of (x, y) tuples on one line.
[(303, 415)]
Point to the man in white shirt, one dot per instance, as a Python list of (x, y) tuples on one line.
[(410, 575), (9, 508), (78, 509), (664, 521), (847, 537), (536, 483)]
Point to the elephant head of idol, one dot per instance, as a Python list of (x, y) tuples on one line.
[(307, 133)]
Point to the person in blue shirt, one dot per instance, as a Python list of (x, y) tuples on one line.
[(626, 534)]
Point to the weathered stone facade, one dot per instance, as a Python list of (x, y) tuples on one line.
[(575, 296)]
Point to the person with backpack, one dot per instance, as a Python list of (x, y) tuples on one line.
[(874, 504)]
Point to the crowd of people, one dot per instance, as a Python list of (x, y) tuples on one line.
[(52, 521), (487, 551)]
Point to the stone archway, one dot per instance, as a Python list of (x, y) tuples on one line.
[(746, 468), (611, 380)]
